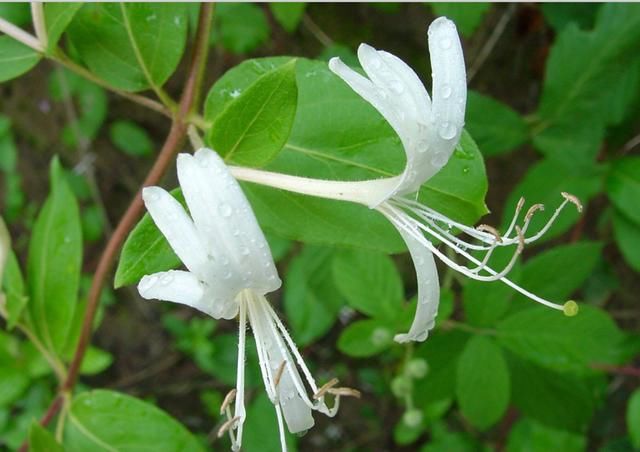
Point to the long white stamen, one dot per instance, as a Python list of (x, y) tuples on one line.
[(283, 441), (320, 406), (294, 349), (396, 216), (401, 220), (239, 402), (302, 392), (263, 359)]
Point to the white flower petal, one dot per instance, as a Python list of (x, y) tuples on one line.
[(448, 100), (404, 88), (177, 227), (240, 254), (428, 291), (367, 90), (176, 286), (297, 414)]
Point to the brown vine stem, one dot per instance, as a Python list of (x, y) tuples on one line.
[(188, 101)]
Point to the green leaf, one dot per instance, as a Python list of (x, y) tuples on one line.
[(106, 420), (311, 300), (41, 440), (132, 46), (467, 16), (543, 184), (565, 344), (5, 247), (559, 15), (145, 251), (14, 379), (495, 126), (581, 68), (288, 14), (54, 264), (483, 384), (57, 17), (528, 435), (623, 186), (254, 127), (557, 273), (442, 352), (15, 58), (366, 338), (556, 400), (95, 361), (240, 27), (13, 286), (369, 281), (633, 418), (17, 13), (130, 138), (627, 236)]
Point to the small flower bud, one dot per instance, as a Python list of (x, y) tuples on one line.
[(381, 336), (412, 418), (417, 368), (401, 386)]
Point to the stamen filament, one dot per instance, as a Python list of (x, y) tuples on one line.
[(408, 224)]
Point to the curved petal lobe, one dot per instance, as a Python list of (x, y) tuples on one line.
[(177, 227), (176, 286), (428, 291)]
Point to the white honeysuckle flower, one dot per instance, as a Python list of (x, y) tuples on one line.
[(230, 270), (429, 129)]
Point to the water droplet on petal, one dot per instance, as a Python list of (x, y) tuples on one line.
[(382, 93), (446, 91), (447, 131), (445, 43), (244, 251), (148, 282), (165, 280), (375, 63), (419, 260), (227, 275), (225, 210), (152, 195), (439, 159), (423, 146), (396, 86)]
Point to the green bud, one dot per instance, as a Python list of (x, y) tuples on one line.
[(412, 418), (417, 368), (401, 386)]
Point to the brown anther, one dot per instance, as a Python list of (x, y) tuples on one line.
[(491, 230), (520, 204), (573, 200), (227, 426), (533, 209), (276, 380), (348, 392), (520, 239), (227, 400), (325, 387)]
